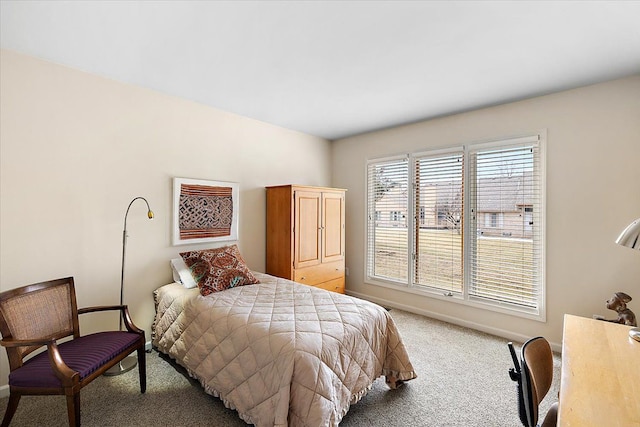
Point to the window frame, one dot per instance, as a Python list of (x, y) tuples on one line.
[(539, 312)]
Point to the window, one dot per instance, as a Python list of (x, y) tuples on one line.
[(437, 243), (493, 219), (463, 223), (388, 247)]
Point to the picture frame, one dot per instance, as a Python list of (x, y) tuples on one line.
[(204, 211)]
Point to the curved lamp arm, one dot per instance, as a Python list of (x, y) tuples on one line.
[(124, 246)]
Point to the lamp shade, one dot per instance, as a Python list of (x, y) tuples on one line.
[(630, 237)]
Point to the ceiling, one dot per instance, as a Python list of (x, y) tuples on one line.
[(335, 69)]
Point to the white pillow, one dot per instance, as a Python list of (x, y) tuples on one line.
[(182, 273)]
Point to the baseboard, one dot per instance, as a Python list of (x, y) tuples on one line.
[(4, 390), (509, 335)]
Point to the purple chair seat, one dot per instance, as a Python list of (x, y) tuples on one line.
[(84, 355)]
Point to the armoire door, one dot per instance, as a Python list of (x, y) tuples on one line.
[(333, 219), (307, 228)]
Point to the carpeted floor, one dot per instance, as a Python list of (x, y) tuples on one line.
[(462, 381)]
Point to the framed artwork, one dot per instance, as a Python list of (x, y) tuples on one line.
[(204, 211)]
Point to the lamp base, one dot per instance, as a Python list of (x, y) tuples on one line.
[(635, 334), (125, 365)]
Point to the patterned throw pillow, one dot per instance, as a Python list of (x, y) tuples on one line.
[(218, 269)]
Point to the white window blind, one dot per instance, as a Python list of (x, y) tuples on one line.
[(438, 230), (466, 223), (505, 251), (387, 244)]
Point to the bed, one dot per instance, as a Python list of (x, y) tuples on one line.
[(278, 352)]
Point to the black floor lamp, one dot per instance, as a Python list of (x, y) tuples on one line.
[(128, 363)]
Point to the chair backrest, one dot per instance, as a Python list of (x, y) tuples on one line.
[(534, 374), (42, 310), (538, 367)]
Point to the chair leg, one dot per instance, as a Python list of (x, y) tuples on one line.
[(142, 369), (12, 405), (73, 409)]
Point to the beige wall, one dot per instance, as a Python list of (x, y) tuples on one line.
[(593, 192), (76, 149)]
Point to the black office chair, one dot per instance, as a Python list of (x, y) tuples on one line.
[(533, 373)]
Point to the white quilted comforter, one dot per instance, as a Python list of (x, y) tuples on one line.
[(280, 353)]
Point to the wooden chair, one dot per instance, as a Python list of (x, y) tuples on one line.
[(41, 315), (534, 374)]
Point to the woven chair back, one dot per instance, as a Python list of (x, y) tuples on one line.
[(44, 310)]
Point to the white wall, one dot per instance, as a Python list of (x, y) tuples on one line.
[(593, 192), (76, 149)]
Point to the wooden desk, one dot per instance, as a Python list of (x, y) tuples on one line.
[(600, 382)]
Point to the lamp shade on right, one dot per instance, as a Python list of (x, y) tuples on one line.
[(630, 237)]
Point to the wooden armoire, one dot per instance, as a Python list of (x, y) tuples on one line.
[(305, 235)]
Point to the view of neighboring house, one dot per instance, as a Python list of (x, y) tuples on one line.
[(391, 208), (504, 207)]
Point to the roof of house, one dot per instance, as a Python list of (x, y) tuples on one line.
[(496, 194), (505, 193)]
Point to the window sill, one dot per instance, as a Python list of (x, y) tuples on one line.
[(476, 302)]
